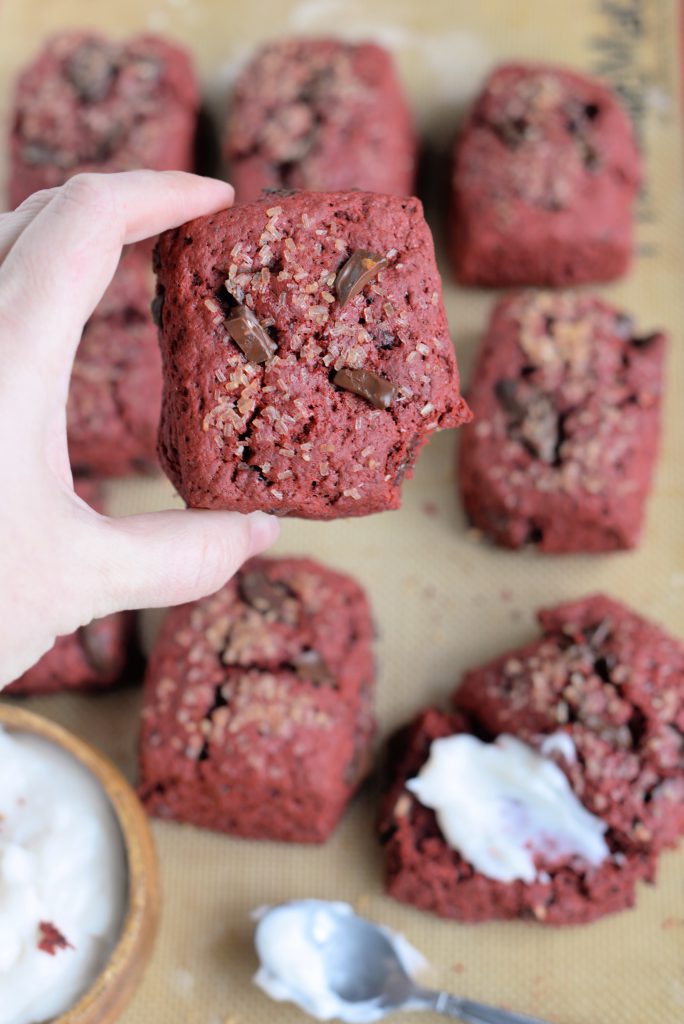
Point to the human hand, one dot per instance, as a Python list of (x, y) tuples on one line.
[(61, 563)]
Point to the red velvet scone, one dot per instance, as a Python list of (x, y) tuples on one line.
[(421, 868), (306, 354), (86, 103), (115, 392), (602, 695), (320, 114), (614, 682), (544, 178), (258, 712), (92, 657), (567, 402)]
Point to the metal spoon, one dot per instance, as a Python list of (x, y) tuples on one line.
[(361, 966)]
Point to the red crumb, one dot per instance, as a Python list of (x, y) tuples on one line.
[(51, 939), (458, 968), (431, 509)]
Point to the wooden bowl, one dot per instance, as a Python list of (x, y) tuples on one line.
[(113, 989)]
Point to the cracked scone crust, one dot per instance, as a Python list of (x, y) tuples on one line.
[(320, 114), (87, 103), (567, 398), (115, 390), (545, 175), (279, 435), (258, 714), (614, 684)]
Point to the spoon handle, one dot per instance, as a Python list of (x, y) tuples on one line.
[(469, 1011)]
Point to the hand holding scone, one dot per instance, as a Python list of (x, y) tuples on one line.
[(61, 563)]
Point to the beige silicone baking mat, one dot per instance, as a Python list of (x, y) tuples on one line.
[(442, 600)]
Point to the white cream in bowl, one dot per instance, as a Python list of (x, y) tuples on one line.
[(63, 879)]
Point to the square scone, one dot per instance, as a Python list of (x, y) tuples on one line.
[(567, 398), (320, 113), (306, 354), (88, 103), (544, 178), (258, 716), (552, 787)]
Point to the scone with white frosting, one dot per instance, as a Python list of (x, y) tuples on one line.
[(551, 788)]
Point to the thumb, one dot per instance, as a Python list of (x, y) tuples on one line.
[(167, 558)]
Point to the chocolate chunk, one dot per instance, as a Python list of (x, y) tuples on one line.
[(262, 593), (514, 132), (506, 390), (95, 646), (646, 340), (360, 268), (375, 389), (91, 69), (311, 667), (248, 334), (157, 307)]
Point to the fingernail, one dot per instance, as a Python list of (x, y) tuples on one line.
[(264, 530)]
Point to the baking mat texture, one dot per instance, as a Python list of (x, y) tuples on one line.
[(443, 601)]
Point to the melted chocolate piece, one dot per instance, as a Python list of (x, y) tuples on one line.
[(376, 390), (360, 268), (250, 337), (311, 668), (263, 594), (95, 646), (91, 70)]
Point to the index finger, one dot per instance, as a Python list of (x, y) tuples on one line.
[(57, 270)]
